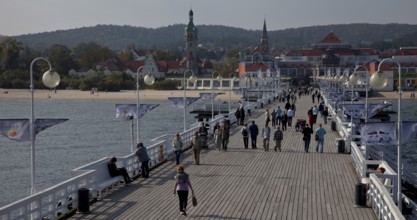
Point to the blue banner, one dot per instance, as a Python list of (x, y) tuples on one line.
[(178, 102), (384, 133)]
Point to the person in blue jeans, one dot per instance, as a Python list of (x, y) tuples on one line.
[(320, 132), (177, 144), (143, 158), (307, 131)]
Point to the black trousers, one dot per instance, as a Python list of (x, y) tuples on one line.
[(183, 198), (253, 141), (246, 142)]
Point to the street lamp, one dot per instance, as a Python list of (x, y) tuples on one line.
[(50, 79), (232, 80), (379, 80), (218, 78), (149, 80), (192, 79), (354, 79)]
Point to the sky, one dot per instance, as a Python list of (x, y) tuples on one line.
[(34, 16)]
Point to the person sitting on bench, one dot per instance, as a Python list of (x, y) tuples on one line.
[(115, 171)]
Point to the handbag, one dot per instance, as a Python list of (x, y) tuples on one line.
[(304, 138), (194, 200), (316, 137)]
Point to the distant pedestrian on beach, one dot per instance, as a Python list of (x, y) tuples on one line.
[(307, 131), (266, 136), (278, 136), (320, 132), (196, 146), (177, 144), (181, 188), (245, 135), (115, 171), (143, 158), (254, 131)]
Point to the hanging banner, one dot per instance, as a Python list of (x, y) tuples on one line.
[(19, 129), (178, 102), (144, 108), (409, 131), (126, 111), (378, 133), (209, 95)]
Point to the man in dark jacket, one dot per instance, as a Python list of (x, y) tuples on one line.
[(143, 158), (254, 131), (307, 131)]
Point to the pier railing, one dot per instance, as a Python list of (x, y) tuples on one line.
[(382, 194)]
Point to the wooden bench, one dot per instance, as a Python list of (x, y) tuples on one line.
[(102, 180)]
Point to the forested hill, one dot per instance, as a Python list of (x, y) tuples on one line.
[(213, 36)]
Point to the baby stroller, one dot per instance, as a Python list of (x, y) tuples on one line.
[(300, 124)]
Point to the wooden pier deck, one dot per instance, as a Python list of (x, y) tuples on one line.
[(247, 183)]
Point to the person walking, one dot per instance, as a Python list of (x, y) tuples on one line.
[(278, 136), (218, 136), (181, 188), (273, 118), (278, 113), (284, 119), (196, 146), (290, 114), (307, 131), (266, 135), (237, 115), (242, 115), (245, 135), (320, 132), (325, 115), (143, 158), (254, 131), (177, 144), (225, 132), (267, 117)]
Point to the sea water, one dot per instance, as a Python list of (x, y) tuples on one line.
[(91, 133)]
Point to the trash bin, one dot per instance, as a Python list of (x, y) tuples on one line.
[(360, 195), (340, 143), (333, 126), (83, 200)]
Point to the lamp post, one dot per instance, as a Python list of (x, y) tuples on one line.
[(192, 79), (218, 78), (50, 79), (232, 80), (379, 81), (149, 80), (354, 78)]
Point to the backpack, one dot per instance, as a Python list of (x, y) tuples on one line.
[(245, 132)]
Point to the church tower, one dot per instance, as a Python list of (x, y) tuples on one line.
[(191, 37), (264, 40)]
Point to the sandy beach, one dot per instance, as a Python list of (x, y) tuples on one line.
[(144, 95), (156, 95)]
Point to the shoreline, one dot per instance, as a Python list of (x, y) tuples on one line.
[(126, 95), (145, 95)]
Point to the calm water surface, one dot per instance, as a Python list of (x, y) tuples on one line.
[(91, 133)]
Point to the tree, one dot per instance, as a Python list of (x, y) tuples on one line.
[(61, 59), (89, 54), (9, 53)]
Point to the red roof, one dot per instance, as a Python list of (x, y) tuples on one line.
[(331, 38), (253, 67)]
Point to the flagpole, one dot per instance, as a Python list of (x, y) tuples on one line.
[(50, 79), (137, 105), (192, 80)]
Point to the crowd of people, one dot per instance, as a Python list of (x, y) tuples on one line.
[(275, 124)]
